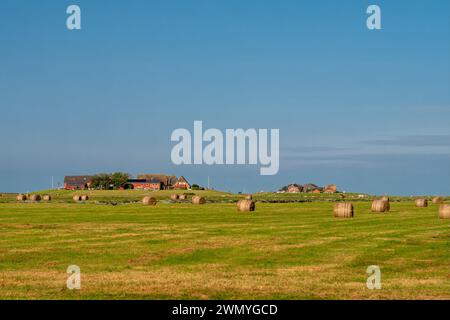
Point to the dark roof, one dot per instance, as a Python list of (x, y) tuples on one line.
[(144, 181), (310, 186), (77, 180), (154, 181), (182, 179), (163, 178)]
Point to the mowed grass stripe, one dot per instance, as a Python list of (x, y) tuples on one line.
[(295, 250)]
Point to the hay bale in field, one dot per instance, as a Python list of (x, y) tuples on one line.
[(343, 210), (380, 206), (245, 205), (76, 198), (182, 197), (84, 197), (174, 197), (35, 197), (438, 200), (21, 197), (248, 197), (422, 203), (149, 201), (46, 197), (198, 200), (444, 211)]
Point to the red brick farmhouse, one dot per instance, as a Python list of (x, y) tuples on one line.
[(77, 182), (143, 182)]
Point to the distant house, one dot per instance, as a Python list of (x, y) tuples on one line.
[(331, 188), (294, 188), (310, 187), (77, 182), (167, 181), (158, 182), (182, 183), (144, 184)]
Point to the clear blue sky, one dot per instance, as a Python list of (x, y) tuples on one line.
[(367, 110)]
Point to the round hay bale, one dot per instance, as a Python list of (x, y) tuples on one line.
[(84, 197), (343, 210), (182, 197), (174, 197), (198, 200), (380, 206), (245, 205), (444, 211), (149, 201), (35, 197), (385, 198), (438, 200), (422, 203), (21, 197), (76, 198), (46, 197), (249, 197)]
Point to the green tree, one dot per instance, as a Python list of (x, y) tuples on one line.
[(119, 179), (101, 181)]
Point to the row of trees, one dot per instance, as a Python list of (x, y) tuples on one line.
[(107, 181)]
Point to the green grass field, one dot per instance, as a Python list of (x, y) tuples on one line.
[(179, 251)]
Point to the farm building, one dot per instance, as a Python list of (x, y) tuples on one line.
[(308, 188), (182, 183), (159, 182), (77, 182), (331, 188), (294, 188), (144, 184), (166, 181)]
